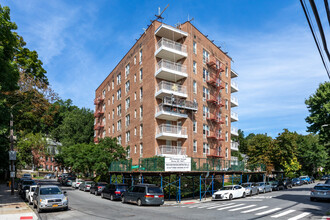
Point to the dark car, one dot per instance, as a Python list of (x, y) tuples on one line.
[(65, 178), (327, 181), (296, 182), (144, 194), (325, 177), (287, 183), (25, 185), (114, 191), (277, 185), (96, 188)]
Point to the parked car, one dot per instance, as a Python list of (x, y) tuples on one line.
[(85, 185), (229, 192), (144, 194), (287, 183), (305, 179), (250, 189), (264, 187), (76, 183), (27, 175), (96, 188), (327, 181), (320, 191), (49, 176), (68, 180), (325, 177), (59, 178), (297, 182), (29, 194), (25, 185), (113, 191), (312, 179), (50, 197), (277, 185)]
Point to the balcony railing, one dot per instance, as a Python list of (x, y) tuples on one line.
[(180, 103), (234, 101), (234, 116), (234, 131), (172, 150), (172, 45), (170, 113), (234, 86), (170, 87), (171, 129), (234, 146), (171, 65)]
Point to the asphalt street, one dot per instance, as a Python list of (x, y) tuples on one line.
[(290, 204)]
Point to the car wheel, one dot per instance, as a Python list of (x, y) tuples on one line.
[(243, 195), (102, 196), (34, 206), (139, 202), (84, 189), (230, 196), (123, 199), (38, 209), (111, 198), (66, 208), (251, 193), (264, 191), (312, 199), (257, 192), (96, 194)]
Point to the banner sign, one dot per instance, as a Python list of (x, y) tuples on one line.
[(177, 164)]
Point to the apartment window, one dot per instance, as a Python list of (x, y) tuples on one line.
[(109, 116), (206, 93), (135, 131), (135, 149), (226, 152), (194, 67), (195, 47), (119, 110), (126, 71), (127, 86), (195, 146), (141, 150), (134, 96), (226, 136), (134, 60), (226, 105), (226, 71), (127, 103), (119, 94), (108, 87), (103, 93), (113, 128), (194, 87), (195, 126), (118, 79), (113, 114), (103, 134), (135, 113), (226, 87), (103, 120), (113, 84), (127, 120), (141, 93), (128, 152), (109, 130), (119, 125), (103, 107), (135, 77), (206, 111), (141, 131), (141, 74), (205, 75), (205, 130), (206, 148), (113, 99), (119, 139), (141, 112), (205, 56), (127, 136), (226, 120), (109, 101), (140, 56)]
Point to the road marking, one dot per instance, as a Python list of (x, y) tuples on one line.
[(300, 216), (283, 213), (206, 206), (231, 206), (218, 206), (256, 209), (269, 211), (245, 207)]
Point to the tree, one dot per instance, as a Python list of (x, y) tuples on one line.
[(242, 142), (292, 167)]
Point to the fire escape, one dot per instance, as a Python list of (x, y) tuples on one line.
[(215, 120), (99, 112)]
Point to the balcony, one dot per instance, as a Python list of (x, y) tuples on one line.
[(170, 50), (234, 116), (234, 146), (171, 132), (233, 101), (170, 32), (166, 150), (234, 131), (170, 71), (170, 113), (234, 86), (165, 88), (233, 74), (98, 113), (180, 103)]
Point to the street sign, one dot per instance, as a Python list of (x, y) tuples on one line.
[(12, 174), (12, 155)]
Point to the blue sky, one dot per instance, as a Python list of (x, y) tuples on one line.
[(80, 42)]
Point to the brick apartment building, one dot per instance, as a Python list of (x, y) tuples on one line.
[(171, 94)]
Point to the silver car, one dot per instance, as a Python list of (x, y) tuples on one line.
[(250, 189), (49, 197), (320, 191), (264, 187)]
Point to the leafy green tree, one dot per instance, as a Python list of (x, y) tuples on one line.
[(242, 142), (292, 167)]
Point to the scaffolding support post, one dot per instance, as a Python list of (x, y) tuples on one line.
[(116, 179), (193, 187), (200, 188), (180, 189), (247, 178), (212, 185), (161, 182), (142, 179), (232, 179), (240, 182), (132, 180), (123, 179), (110, 178)]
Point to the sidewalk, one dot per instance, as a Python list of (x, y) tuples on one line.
[(186, 201), (12, 207)]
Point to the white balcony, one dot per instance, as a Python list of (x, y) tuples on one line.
[(170, 32), (234, 86), (233, 116), (170, 151), (233, 74), (234, 146), (171, 132), (234, 131), (170, 113), (170, 71), (165, 88), (170, 50), (233, 101)]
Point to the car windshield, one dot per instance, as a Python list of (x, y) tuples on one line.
[(227, 188), (28, 183), (119, 187), (246, 185), (322, 187), (154, 190), (261, 184), (50, 191), (296, 179), (102, 184), (88, 182)]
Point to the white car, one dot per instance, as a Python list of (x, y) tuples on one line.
[(229, 192), (29, 194), (76, 183)]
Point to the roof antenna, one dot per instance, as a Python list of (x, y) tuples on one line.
[(159, 16)]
